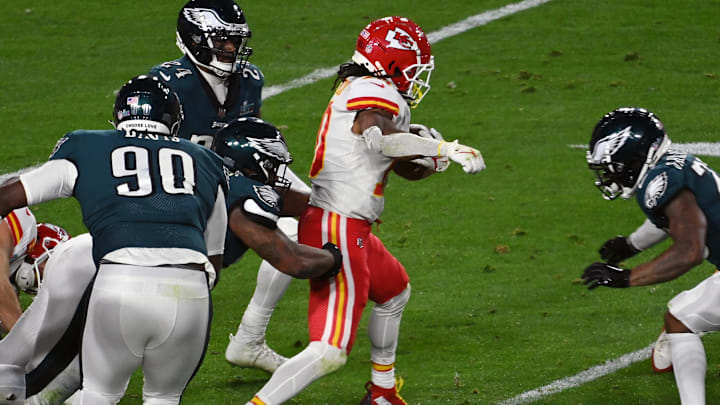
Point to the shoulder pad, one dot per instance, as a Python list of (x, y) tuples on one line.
[(371, 92)]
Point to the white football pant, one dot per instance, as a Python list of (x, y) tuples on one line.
[(157, 318)]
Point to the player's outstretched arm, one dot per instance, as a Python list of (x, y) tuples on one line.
[(291, 258), (382, 136)]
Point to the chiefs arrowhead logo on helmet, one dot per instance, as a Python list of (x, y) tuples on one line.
[(399, 39)]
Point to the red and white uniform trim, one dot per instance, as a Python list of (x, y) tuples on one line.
[(347, 177), (23, 228), (369, 272)]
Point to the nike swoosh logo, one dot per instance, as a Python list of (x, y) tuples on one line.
[(381, 85), (166, 77)]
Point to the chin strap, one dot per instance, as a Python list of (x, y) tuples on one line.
[(654, 155)]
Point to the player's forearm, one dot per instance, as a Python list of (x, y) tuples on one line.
[(313, 262), (672, 263), (411, 171), (12, 197), (299, 261), (402, 144), (10, 310)]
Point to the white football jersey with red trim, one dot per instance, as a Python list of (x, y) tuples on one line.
[(347, 177), (23, 228)]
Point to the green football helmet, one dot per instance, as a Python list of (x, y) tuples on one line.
[(255, 149), (625, 144), (147, 104), (202, 27)]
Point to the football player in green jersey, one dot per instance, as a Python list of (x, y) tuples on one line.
[(253, 149), (216, 84), (155, 207), (630, 152)]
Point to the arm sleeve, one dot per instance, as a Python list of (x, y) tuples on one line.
[(217, 226), (54, 179), (646, 236), (296, 183), (402, 144)]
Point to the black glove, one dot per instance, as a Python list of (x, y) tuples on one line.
[(598, 274), (337, 260), (617, 249)]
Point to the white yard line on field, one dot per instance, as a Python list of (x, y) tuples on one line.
[(445, 32), (581, 378), (696, 148)]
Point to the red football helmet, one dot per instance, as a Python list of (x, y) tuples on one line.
[(28, 277), (398, 48)]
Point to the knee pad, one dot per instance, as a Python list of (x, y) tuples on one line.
[(289, 226), (330, 358), (394, 305)]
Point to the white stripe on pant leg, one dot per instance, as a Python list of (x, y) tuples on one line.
[(330, 315), (349, 282)]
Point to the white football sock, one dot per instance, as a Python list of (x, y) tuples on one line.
[(384, 330), (317, 360), (689, 366), (271, 286)]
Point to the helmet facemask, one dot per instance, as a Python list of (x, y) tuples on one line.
[(418, 80), (615, 179), (271, 172)]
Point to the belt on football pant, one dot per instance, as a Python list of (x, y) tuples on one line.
[(184, 266)]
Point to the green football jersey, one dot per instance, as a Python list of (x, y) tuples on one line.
[(204, 115), (139, 189), (675, 172)]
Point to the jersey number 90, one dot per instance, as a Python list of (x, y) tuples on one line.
[(177, 173)]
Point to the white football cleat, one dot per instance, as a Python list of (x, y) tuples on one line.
[(252, 355), (661, 355)]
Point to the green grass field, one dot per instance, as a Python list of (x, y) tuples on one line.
[(494, 259)]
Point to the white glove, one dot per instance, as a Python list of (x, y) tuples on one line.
[(438, 164), (425, 132), (470, 158)]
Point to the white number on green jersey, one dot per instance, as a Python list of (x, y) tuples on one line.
[(176, 167)]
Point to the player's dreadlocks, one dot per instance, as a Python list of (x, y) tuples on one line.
[(353, 69)]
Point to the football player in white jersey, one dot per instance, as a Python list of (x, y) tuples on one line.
[(365, 134), (33, 244), (17, 236), (65, 270)]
